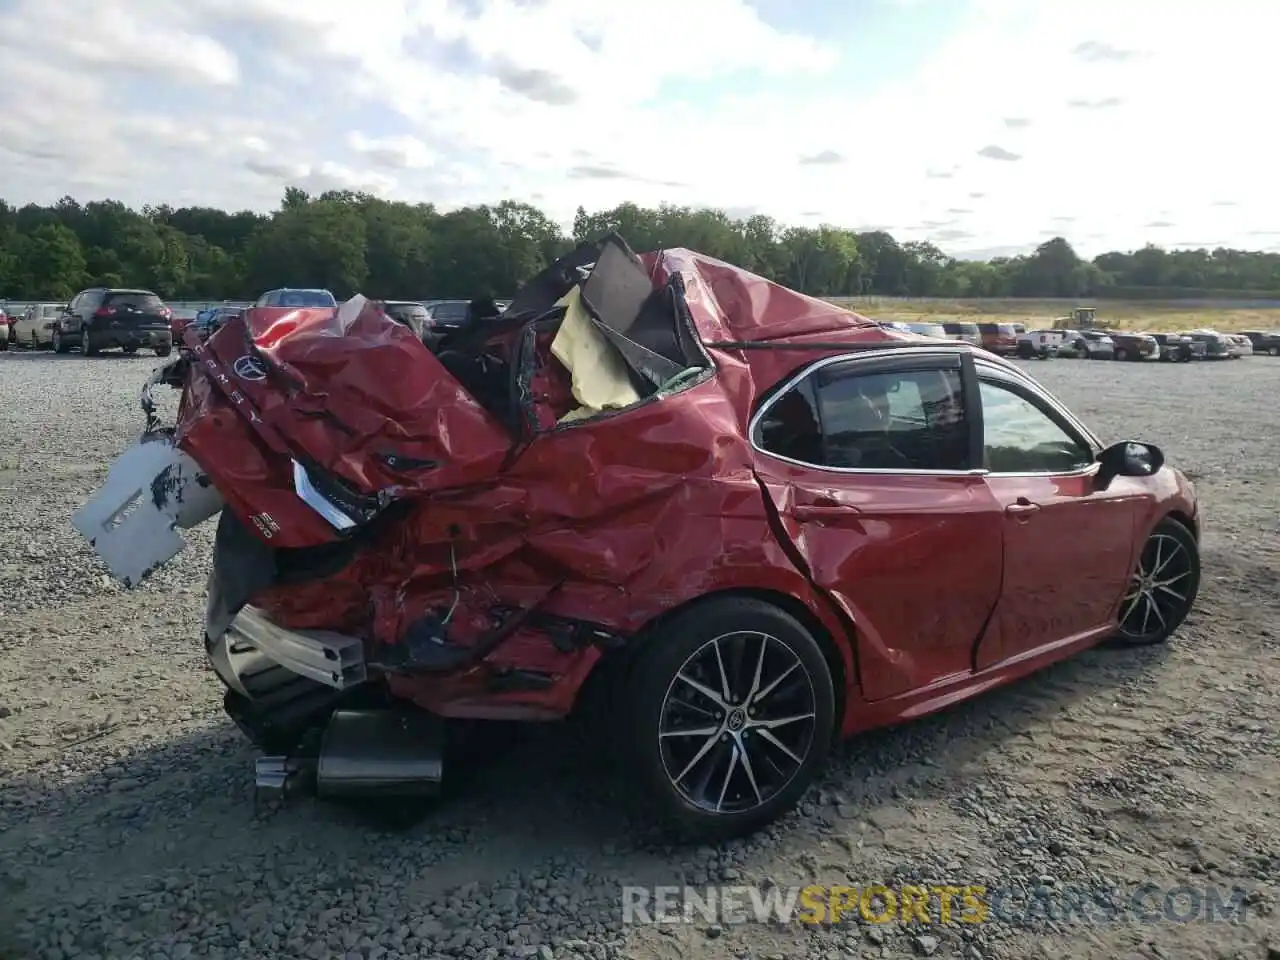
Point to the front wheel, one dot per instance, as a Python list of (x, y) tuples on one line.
[(1163, 587), (731, 715)]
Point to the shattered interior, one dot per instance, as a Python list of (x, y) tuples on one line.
[(528, 495)]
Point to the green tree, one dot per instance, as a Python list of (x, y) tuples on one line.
[(50, 263)]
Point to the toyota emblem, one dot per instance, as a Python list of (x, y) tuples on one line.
[(249, 368)]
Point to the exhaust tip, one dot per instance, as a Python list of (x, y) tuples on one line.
[(381, 752)]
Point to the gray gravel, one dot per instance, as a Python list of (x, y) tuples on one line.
[(127, 824)]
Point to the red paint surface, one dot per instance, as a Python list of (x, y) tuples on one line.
[(926, 589)]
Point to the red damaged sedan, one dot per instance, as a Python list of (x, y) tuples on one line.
[(755, 521)]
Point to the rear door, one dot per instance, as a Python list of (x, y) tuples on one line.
[(869, 463), (1067, 546)]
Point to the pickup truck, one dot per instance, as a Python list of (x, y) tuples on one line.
[(1039, 344)]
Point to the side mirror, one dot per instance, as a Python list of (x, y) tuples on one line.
[(1129, 458)]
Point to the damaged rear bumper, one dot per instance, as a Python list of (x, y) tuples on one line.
[(252, 645)]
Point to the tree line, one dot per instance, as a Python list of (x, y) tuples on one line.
[(349, 242)]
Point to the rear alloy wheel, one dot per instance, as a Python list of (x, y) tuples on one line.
[(86, 344), (1163, 588), (732, 715), (1121, 354), (1274, 351)]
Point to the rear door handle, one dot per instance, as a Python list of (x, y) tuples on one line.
[(1022, 508)]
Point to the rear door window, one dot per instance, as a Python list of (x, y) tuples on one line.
[(900, 420)]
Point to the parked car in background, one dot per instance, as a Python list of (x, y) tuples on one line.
[(1267, 342), (1178, 347), (1215, 344), (928, 330), (964, 332), (1039, 344), (6, 330), (289, 297), (210, 321), (340, 612), (892, 325), (413, 315), (101, 318), (999, 338), (1134, 346), (448, 315), (33, 328), (1238, 345), (1087, 345)]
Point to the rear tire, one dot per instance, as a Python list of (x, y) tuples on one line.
[(1163, 588), (60, 345), (163, 351), (86, 345), (717, 766)]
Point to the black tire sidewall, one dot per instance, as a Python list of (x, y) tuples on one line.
[(666, 650), (1168, 527)]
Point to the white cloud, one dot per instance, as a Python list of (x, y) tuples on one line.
[(568, 102), (394, 153)]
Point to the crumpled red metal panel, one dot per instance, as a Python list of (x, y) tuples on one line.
[(615, 520)]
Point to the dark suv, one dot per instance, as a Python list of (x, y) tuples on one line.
[(101, 318), (1264, 341)]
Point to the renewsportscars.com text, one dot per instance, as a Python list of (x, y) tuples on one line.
[(941, 904)]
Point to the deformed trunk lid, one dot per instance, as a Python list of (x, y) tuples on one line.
[(350, 396)]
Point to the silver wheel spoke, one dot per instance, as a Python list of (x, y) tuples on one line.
[(1171, 592), (728, 775), (1155, 608), (702, 752), (1174, 579), (760, 697), (1133, 599), (749, 771), (703, 689), (727, 696), (1159, 567), (766, 734), (700, 732), (755, 682), (1159, 552), (780, 722), (1146, 611)]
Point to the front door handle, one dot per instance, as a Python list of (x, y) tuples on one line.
[(1022, 508)]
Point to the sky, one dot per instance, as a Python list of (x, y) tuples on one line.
[(983, 126)]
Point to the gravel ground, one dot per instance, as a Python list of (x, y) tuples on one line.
[(127, 824)]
